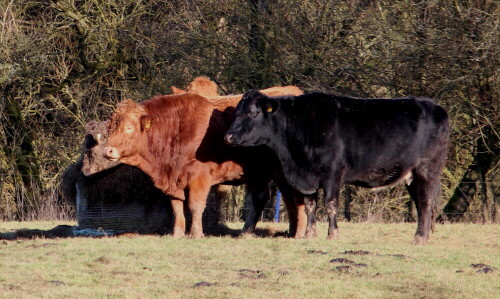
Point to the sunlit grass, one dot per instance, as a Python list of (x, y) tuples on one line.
[(255, 267)]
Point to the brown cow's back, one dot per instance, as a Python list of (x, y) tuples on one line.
[(222, 103)]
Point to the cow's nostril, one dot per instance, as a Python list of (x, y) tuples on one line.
[(110, 153), (228, 138)]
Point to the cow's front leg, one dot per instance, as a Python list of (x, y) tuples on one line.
[(197, 199), (179, 219), (332, 195), (259, 196), (310, 207), (332, 207)]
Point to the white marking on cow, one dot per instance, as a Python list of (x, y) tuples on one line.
[(407, 178)]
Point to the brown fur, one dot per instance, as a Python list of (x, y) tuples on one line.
[(183, 151), (223, 102), (200, 85)]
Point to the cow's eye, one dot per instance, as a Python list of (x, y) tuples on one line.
[(253, 111), (129, 129)]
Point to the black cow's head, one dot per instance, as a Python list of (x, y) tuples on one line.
[(93, 149), (254, 120)]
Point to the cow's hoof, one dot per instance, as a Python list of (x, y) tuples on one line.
[(178, 233), (311, 234), (248, 231), (299, 235), (195, 236), (419, 240), (333, 235)]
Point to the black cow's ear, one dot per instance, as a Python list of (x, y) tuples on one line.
[(147, 121), (90, 126), (253, 94)]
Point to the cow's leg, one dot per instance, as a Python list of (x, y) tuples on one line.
[(197, 200), (179, 219), (296, 212), (310, 208), (332, 206), (301, 217), (347, 202), (291, 209), (259, 196), (424, 192)]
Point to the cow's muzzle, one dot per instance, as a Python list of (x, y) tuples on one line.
[(111, 153)]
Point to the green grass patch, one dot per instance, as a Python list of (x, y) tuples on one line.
[(141, 266)]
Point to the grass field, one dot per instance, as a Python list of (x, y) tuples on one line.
[(369, 261)]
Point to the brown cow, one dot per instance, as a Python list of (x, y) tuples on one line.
[(178, 141), (111, 195)]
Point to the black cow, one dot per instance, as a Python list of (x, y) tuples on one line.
[(325, 140)]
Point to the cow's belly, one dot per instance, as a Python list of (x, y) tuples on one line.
[(381, 177)]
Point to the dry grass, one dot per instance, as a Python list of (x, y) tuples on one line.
[(255, 267)]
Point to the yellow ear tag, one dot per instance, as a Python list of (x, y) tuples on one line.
[(269, 109), (148, 124), (99, 136)]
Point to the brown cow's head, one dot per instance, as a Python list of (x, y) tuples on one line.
[(200, 85), (203, 86), (127, 132)]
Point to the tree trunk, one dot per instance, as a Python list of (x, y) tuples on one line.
[(495, 193), (486, 158), (257, 47)]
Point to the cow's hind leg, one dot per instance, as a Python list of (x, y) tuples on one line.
[(259, 196), (296, 212), (424, 191), (310, 202), (179, 219)]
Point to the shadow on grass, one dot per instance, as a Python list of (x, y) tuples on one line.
[(69, 231)]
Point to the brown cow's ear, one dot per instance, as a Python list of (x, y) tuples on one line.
[(176, 90), (147, 121)]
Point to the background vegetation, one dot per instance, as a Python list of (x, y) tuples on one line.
[(66, 62)]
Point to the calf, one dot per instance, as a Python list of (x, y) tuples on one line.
[(323, 141)]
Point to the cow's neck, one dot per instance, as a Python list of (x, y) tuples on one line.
[(295, 163)]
